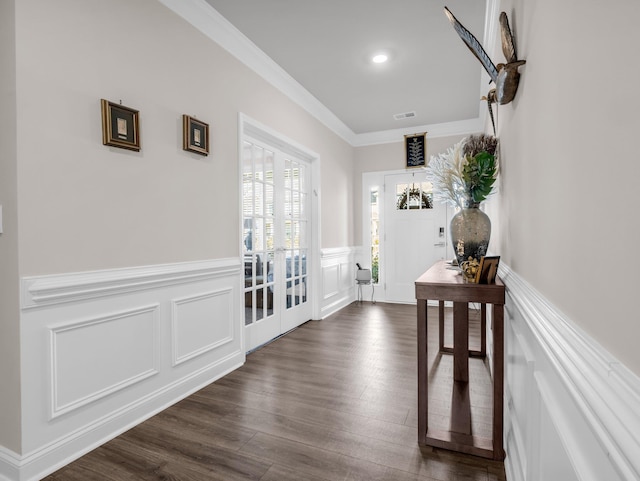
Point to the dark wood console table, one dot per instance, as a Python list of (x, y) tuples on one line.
[(442, 284)]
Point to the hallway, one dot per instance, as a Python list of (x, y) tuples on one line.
[(332, 400)]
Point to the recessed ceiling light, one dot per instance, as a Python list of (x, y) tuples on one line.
[(380, 58)]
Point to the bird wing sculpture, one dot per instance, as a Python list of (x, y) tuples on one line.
[(508, 42), (505, 76), (473, 44)]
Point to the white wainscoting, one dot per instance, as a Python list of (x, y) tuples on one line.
[(104, 350), (81, 348), (338, 279), (572, 411)]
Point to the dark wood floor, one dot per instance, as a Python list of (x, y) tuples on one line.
[(332, 400)]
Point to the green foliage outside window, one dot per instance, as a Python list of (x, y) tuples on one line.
[(374, 268)]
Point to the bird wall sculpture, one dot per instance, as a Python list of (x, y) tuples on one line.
[(505, 76)]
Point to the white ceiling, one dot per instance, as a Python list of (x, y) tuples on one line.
[(326, 46)]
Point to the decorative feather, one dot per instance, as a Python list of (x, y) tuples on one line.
[(474, 45), (508, 42), (493, 121)]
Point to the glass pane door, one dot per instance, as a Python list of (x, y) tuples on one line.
[(296, 248), (275, 250), (258, 205)]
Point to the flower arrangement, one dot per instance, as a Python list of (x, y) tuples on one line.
[(465, 174)]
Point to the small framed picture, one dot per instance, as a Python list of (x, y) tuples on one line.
[(487, 270), (120, 126), (195, 135), (416, 149)]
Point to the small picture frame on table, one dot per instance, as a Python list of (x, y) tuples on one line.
[(487, 270), (120, 126), (195, 135), (415, 147)]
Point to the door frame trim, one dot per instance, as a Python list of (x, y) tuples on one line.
[(249, 127), (370, 179)]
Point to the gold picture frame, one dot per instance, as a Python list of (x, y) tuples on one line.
[(487, 270), (120, 126), (195, 135)]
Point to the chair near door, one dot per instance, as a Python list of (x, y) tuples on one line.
[(363, 278)]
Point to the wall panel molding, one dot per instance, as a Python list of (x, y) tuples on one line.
[(336, 253), (55, 289), (588, 400), (86, 356), (193, 326)]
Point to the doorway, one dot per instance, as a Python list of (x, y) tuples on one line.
[(415, 233), (276, 241)]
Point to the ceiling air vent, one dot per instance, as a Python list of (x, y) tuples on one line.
[(406, 115)]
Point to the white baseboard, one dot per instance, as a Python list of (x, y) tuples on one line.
[(571, 408), (9, 465), (340, 303), (118, 346)]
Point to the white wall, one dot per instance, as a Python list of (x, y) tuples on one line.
[(568, 221), (566, 227), (9, 313)]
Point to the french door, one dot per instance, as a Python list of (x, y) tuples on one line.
[(275, 242), (415, 233)]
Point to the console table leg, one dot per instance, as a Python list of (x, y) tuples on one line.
[(461, 341), (423, 372), (483, 330), (498, 380), (441, 325)]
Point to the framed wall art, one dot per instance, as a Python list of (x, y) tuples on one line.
[(487, 270), (120, 126), (195, 135), (416, 149)]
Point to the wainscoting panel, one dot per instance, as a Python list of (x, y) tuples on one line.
[(194, 326), (330, 281), (105, 350), (571, 409), (338, 279), (80, 350)]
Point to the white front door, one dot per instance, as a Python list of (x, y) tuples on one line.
[(275, 242), (415, 233)]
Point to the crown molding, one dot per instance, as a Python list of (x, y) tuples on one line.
[(208, 21)]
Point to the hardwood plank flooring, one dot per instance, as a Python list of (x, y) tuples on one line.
[(332, 400)]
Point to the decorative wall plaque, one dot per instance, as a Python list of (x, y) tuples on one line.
[(416, 149)]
